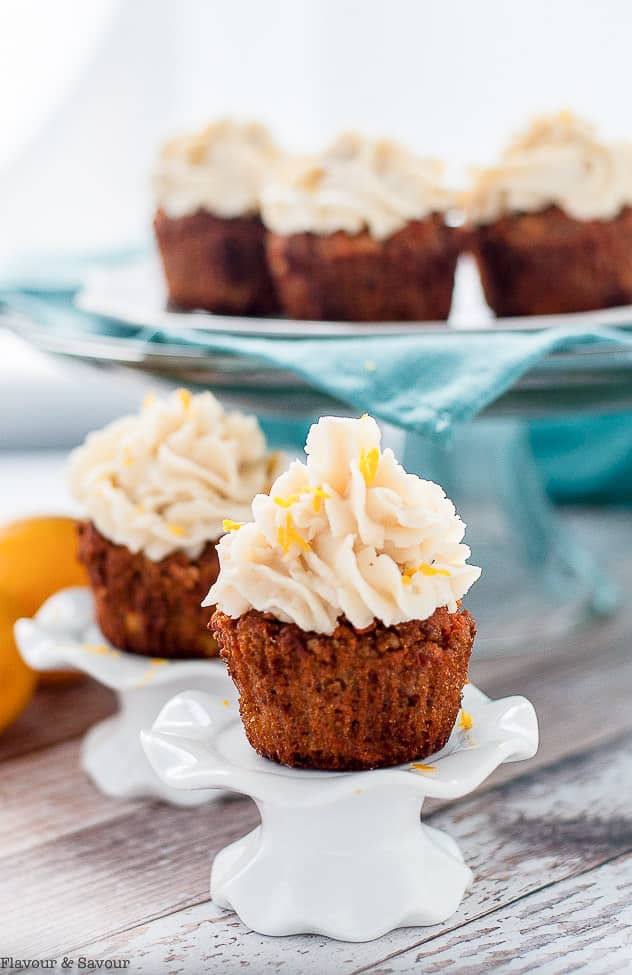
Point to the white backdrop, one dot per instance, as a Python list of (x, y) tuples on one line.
[(87, 90)]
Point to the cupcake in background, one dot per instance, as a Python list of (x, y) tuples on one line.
[(338, 608), (358, 234), (156, 489), (207, 224), (553, 221)]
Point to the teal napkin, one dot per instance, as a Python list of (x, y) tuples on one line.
[(427, 384)]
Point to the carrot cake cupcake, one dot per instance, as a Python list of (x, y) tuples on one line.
[(358, 234), (156, 489), (554, 221), (207, 224), (338, 608)]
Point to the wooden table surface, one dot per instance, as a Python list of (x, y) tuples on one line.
[(550, 840)]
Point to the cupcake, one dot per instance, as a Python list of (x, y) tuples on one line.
[(157, 488), (358, 234), (338, 608), (207, 224), (553, 221)]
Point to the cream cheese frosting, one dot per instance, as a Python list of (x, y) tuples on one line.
[(220, 169), (348, 532), (357, 184), (164, 480), (558, 161)]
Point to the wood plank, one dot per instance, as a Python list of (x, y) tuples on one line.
[(44, 796), (107, 876), (583, 924), (56, 714), (520, 838), (555, 687)]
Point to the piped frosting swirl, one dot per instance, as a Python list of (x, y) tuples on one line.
[(356, 184), (350, 533), (220, 170), (165, 479), (558, 161)]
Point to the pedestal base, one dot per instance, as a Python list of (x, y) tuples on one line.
[(342, 854), (351, 895), (63, 634)]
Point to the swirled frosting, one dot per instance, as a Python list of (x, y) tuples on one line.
[(165, 479), (558, 161), (220, 170), (349, 532), (357, 184)]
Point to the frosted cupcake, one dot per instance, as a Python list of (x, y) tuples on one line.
[(554, 221), (207, 223), (358, 234), (338, 608), (156, 489)]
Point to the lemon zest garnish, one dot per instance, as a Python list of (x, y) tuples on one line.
[(429, 570), (425, 569), (466, 721), (149, 400), (287, 534), (368, 463), (226, 703), (176, 529), (128, 457), (100, 648), (423, 768), (154, 664), (185, 398), (319, 495), (231, 526), (286, 502)]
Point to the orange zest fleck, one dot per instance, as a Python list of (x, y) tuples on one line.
[(425, 569), (286, 502), (429, 570), (128, 457), (368, 464), (149, 400), (287, 535), (466, 721), (100, 648), (185, 398), (231, 526), (178, 530), (226, 703), (319, 495), (419, 767)]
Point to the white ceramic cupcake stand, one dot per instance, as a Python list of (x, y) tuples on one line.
[(342, 854), (64, 634)]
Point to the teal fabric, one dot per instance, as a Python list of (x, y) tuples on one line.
[(424, 383), (427, 384), (586, 460)]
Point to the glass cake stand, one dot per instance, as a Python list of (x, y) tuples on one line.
[(539, 580)]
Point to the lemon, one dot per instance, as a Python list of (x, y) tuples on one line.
[(38, 556), (17, 681)]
